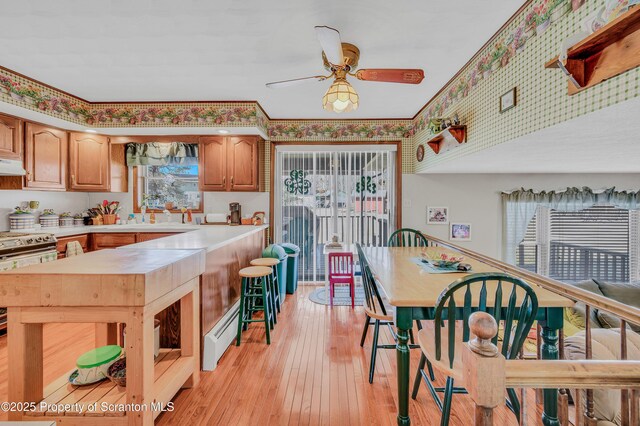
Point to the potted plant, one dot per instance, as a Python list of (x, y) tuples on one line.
[(78, 219), (49, 218), (21, 218), (66, 219), (108, 210)]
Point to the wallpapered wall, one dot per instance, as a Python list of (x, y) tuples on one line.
[(514, 58)]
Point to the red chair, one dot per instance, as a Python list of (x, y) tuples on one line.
[(341, 272)]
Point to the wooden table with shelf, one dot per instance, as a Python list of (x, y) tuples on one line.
[(414, 292), (104, 287)]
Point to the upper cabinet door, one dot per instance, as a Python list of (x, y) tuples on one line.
[(45, 157), (10, 138), (212, 163), (242, 163), (89, 162)]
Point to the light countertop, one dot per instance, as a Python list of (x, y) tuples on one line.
[(99, 229), (203, 238)]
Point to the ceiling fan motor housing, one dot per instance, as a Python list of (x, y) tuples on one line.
[(351, 55)]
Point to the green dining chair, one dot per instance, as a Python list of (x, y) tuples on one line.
[(378, 311), (407, 237), (516, 318)]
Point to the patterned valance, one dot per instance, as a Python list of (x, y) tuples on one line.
[(161, 154)]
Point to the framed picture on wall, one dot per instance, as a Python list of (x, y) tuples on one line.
[(508, 100), (460, 232), (437, 215)]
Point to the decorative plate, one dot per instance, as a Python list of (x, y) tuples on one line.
[(420, 153)]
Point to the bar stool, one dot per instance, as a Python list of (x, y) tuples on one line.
[(273, 281), (255, 285)]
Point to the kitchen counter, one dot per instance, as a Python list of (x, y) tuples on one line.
[(140, 227), (209, 238)]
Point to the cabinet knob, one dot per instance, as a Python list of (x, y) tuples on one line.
[(73, 179), (224, 180), (29, 176), (231, 180)]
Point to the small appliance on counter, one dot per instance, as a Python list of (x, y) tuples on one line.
[(235, 214)]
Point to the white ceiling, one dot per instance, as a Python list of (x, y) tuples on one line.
[(604, 141), (152, 50)]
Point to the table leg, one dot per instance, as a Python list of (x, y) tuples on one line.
[(139, 352), (549, 350), (25, 359), (404, 323)]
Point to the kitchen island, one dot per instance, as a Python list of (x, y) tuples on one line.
[(228, 249), (103, 287)]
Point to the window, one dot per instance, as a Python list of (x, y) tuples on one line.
[(578, 245), (169, 186)]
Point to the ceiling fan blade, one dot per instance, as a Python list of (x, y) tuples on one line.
[(391, 75), (329, 39), (294, 82)]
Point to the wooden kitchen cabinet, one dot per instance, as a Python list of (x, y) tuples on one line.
[(45, 157), (148, 236), (10, 137), (119, 169), (212, 163), (229, 163), (61, 245), (242, 163), (112, 240), (89, 162)]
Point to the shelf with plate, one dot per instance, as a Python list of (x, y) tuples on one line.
[(610, 51), (448, 139)]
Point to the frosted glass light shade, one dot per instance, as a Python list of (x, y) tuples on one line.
[(341, 97)]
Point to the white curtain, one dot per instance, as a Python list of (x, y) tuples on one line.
[(519, 207)]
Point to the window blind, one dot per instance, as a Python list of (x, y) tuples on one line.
[(586, 244)]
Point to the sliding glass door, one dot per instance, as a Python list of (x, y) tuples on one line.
[(322, 191)]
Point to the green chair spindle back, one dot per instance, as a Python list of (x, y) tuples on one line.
[(407, 237), (372, 295), (521, 317)]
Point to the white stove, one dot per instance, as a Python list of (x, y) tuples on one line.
[(18, 244), (18, 250)]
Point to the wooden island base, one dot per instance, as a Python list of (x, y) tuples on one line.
[(144, 284)]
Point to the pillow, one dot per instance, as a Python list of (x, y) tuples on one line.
[(605, 346), (577, 314), (626, 293)]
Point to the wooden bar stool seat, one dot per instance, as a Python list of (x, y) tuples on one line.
[(255, 295), (273, 282), (254, 271), (265, 261)]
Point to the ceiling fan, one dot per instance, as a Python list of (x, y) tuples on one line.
[(342, 60)]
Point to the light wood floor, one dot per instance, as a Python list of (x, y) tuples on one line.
[(313, 373)]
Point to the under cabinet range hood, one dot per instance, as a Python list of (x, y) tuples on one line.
[(11, 168)]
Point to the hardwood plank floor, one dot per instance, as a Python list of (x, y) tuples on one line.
[(313, 373)]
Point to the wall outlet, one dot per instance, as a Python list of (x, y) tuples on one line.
[(406, 202)]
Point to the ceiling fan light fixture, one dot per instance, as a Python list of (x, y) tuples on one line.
[(341, 97)]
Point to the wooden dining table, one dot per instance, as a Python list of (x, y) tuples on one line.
[(413, 291)]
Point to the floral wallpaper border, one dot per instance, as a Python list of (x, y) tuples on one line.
[(340, 129), (532, 22), (24, 92)]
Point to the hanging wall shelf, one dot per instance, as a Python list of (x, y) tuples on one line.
[(612, 50), (448, 139)]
